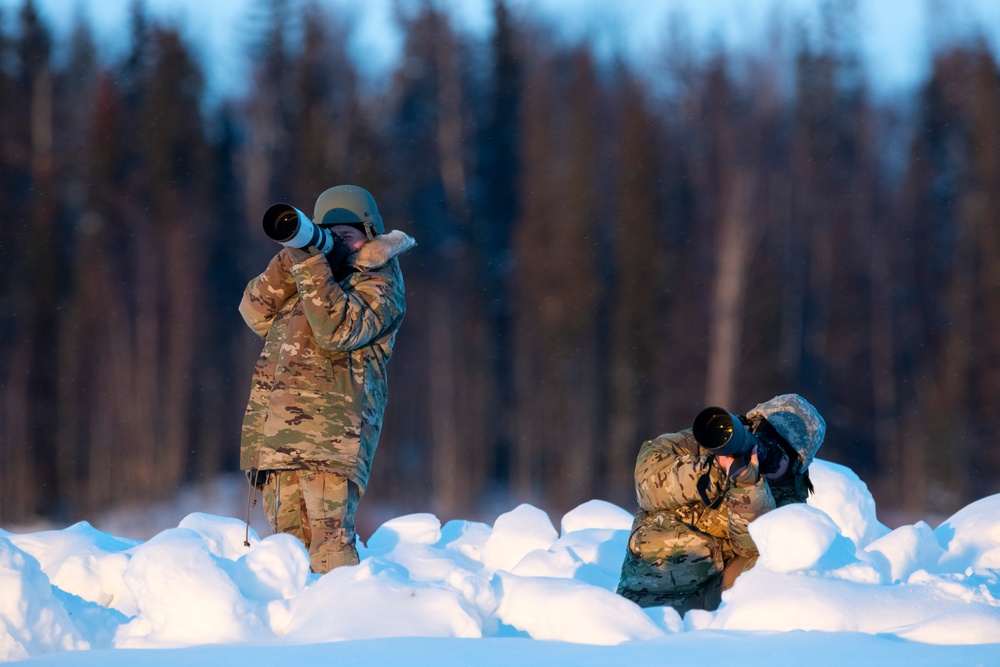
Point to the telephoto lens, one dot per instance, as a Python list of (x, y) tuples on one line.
[(723, 433), (291, 227), (286, 224)]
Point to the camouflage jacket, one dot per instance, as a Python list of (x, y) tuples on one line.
[(676, 476), (319, 387)]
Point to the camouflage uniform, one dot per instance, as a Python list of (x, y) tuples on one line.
[(318, 508), (692, 519), (319, 387)]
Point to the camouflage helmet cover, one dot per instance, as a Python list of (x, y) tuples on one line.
[(796, 420), (348, 205)]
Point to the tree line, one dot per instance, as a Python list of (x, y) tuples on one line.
[(604, 248)]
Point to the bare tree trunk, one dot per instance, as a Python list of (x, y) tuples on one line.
[(475, 420), (450, 134), (19, 471), (443, 413), (885, 392), (638, 303), (41, 127), (956, 367), (144, 378), (531, 403), (735, 241)]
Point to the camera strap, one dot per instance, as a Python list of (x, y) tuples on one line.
[(702, 486)]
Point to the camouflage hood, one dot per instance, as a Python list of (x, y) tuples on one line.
[(380, 250), (797, 421)]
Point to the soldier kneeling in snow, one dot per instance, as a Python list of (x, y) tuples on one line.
[(689, 540), (319, 388)]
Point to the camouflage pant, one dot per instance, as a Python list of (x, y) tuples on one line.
[(318, 508), (669, 562)]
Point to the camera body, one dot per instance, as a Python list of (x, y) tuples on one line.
[(723, 433), (291, 227)]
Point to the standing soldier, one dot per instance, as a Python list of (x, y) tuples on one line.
[(319, 387), (689, 540)]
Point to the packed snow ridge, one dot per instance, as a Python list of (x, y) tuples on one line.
[(827, 566)]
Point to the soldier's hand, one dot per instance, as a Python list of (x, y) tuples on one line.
[(290, 257), (741, 471), (727, 462)]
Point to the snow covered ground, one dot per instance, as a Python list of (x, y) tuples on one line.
[(833, 587)]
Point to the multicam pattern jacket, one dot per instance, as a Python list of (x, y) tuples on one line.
[(693, 520), (675, 475), (319, 387)]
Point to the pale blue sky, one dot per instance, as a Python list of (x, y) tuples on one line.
[(895, 32)]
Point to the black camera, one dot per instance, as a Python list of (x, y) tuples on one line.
[(722, 432)]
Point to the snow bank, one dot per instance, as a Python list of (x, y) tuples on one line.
[(34, 619), (831, 573), (827, 566)]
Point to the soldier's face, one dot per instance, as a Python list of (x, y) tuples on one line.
[(352, 236)]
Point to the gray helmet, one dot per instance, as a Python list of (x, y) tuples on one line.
[(349, 205), (798, 422)]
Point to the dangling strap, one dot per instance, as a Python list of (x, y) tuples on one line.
[(251, 501), (702, 486)]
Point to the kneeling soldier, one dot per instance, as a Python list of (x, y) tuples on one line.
[(689, 540)]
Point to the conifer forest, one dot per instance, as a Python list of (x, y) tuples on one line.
[(604, 249)]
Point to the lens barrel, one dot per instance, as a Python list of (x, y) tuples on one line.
[(291, 227), (722, 432)]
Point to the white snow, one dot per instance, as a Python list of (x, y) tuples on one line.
[(833, 586)]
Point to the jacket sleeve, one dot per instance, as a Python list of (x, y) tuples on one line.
[(267, 293), (745, 503), (668, 472), (347, 319)]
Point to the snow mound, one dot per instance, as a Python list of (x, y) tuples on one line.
[(827, 566), (846, 500), (33, 620)]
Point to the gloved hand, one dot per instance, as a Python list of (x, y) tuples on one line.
[(258, 478), (337, 258), (747, 475)]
